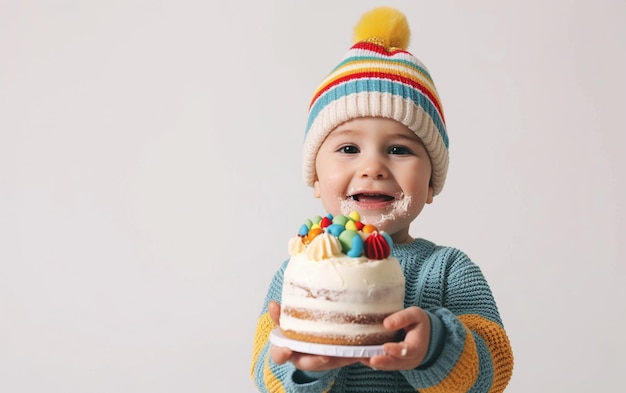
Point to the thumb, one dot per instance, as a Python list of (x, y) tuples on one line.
[(274, 310)]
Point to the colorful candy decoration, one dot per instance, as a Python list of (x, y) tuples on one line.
[(325, 222), (356, 238), (376, 246), (304, 229), (356, 248), (345, 238), (311, 235), (369, 228)]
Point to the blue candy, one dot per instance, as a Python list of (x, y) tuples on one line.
[(304, 229), (357, 247), (335, 229)]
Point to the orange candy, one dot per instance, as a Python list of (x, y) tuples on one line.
[(311, 235), (369, 228)]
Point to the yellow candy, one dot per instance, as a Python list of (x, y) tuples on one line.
[(351, 225), (316, 226), (355, 216)]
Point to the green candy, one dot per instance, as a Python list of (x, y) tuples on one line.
[(341, 220), (345, 238)]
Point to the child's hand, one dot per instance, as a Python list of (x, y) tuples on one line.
[(304, 361), (410, 353)]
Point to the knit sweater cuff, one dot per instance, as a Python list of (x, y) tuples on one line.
[(301, 376), (437, 338)]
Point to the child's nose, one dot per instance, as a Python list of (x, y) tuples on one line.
[(374, 168)]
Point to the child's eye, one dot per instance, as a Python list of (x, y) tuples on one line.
[(348, 149), (399, 150)]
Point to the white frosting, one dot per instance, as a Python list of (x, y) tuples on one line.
[(340, 284), (322, 247), (343, 273)]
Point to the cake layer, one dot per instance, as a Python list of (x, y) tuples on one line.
[(349, 326), (338, 339)]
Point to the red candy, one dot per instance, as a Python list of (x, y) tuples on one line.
[(376, 247), (326, 222)]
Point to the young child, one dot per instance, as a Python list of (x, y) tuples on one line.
[(376, 142)]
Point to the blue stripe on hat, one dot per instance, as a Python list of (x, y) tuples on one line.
[(380, 86)]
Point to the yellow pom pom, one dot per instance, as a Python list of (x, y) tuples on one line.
[(385, 26)]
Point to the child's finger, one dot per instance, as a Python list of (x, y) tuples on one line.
[(404, 318)]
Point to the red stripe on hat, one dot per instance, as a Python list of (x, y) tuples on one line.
[(371, 46), (382, 75)]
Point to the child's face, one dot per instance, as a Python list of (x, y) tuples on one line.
[(378, 167)]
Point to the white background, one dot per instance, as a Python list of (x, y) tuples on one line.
[(150, 180)]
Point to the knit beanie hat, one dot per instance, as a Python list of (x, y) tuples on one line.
[(378, 77)]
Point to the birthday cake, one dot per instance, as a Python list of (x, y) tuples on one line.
[(340, 283)]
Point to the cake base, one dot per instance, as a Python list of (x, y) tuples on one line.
[(344, 351)]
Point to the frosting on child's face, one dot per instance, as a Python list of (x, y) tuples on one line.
[(377, 167)]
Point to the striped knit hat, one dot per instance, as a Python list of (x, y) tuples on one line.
[(379, 78)]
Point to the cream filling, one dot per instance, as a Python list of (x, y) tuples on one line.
[(383, 301)]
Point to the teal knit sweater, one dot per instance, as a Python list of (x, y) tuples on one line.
[(469, 350)]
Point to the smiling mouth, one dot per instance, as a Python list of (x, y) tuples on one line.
[(371, 197)]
